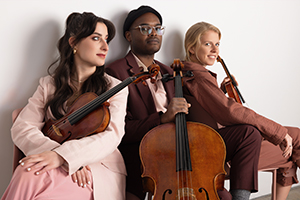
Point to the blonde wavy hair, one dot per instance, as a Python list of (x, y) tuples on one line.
[(193, 35)]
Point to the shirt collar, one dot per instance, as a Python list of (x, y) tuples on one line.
[(143, 67)]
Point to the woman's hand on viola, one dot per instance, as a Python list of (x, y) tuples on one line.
[(176, 105), (82, 176), (225, 81), (287, 146), (40, 163)]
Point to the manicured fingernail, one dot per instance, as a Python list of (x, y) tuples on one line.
[(76, 181), (89, 182), (20, 161), (84, 185), (28, 169), (22, 164), (37, 173), (81, 184)]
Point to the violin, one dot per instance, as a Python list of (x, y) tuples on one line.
[(182, 160), (231, 86), (89, 113)]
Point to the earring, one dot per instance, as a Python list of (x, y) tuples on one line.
[(74, 51)]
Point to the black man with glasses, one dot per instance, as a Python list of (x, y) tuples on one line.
[(148, 106)]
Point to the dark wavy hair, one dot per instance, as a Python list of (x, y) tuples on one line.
[(78, 26)]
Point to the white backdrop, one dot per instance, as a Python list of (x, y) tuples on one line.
[(260, 45)]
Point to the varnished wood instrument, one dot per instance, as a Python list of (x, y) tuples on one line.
[(231, 86), (182, 160), (89, 113)]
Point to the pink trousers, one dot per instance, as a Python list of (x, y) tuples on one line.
[(55, 184)]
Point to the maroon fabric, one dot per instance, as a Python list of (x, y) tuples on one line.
[(203, 91), (226, 111), (242, 150), (224, 195), (271, 157), (242, 146), (141, 117)]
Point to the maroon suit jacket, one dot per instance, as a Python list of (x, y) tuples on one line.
[(141, 112)]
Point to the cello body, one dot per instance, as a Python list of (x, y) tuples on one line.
[(158, 157), (183, 160)]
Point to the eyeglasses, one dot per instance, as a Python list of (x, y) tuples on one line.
[(147, 30)]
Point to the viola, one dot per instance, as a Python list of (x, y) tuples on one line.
[(182, 160), (89, 113), (231, 86)]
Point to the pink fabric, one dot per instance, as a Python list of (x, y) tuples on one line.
[(157, 89), (159, 95), (54, 184), (99, 151)]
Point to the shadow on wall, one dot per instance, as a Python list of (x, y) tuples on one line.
[(172, 47), (39, 52), (118, 47)]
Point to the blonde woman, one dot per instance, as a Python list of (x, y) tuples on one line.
[(232, 120)]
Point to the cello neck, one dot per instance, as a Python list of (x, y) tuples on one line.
[(183, 157)]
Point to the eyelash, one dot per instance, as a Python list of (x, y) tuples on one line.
[(97, 38)]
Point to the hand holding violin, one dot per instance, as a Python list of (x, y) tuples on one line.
[(231, 86), (226, 81)]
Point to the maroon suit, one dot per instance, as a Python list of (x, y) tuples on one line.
[(141, 117), (210, 106)]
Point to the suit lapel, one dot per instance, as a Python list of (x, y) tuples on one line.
[(143, 90)]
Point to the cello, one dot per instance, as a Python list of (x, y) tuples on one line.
[(89, 113), (178, 160), (231, 86)]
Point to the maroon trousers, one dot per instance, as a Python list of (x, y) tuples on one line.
[(242, 150)]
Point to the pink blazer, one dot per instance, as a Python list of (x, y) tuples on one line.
[(99, 151)]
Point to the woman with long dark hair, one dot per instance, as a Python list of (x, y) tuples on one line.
[(86, 168)]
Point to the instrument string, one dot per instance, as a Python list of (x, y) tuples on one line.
[(80, 113), (86, 109)]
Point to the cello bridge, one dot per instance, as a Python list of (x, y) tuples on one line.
[(185, 193)]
